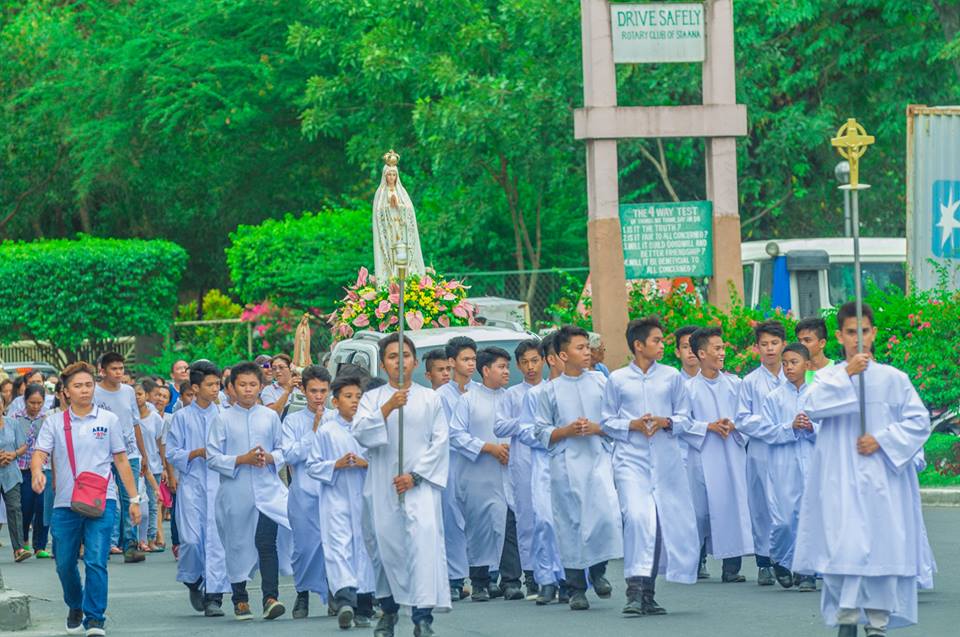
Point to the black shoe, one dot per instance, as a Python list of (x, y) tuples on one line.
[(564, 595), (423, 629), (783, 575), (495, 591), (649, 606), (273, 608), (361, 621), (847, 630), (95, 628), (196, 597), (633, 607), (733, 578), (385, 625), (578, 601), (602, 587), (480, 594), (533, 589), (132, 556), (547, 594), (456, 593), (808, 584), (765, 576), (513, 593), (75, 622), (702, 572), (344, 617), (301, 607), (212, 609)]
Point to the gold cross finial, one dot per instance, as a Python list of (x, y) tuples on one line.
[(851, 142)]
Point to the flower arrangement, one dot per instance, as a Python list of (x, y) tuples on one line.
[(429, 301), (273, 326)]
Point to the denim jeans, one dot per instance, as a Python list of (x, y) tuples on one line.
[(122, 517), (265, 539), (389, 605), (154, 504), (69, 530), (31, 504)]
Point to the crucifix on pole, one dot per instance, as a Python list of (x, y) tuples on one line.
[(601, 122)]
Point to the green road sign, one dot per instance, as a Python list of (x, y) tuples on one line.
[(662, 240)]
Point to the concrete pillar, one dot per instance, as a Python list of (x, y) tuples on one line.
[(607, 276), (14, 609), (719, 87)]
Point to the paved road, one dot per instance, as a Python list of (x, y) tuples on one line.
[(145, 600)]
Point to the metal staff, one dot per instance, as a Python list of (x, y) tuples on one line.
[(401, 259), (851, 142)]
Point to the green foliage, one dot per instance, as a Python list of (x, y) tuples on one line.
[(942, 453), (90, 290), (215, 306), (300, 262)]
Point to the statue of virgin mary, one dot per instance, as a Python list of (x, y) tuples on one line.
[(394, 221)]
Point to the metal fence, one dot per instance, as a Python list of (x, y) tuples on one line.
[(515, 284), (42, 352)]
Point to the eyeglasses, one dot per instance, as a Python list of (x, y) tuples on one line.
[(279, 367), (265, 365)]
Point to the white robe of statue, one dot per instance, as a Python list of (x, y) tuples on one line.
[(394, 220)]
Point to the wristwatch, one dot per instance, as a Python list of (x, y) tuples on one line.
[(669, 424), (135, 499), (417, 478)]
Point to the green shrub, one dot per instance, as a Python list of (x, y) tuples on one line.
[(300, 262), (66, 291)]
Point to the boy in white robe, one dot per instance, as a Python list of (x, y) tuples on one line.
[(812, 334), (530, 361), (790, 435), (863, 532), (202, 564), (547, 565), (303, 503), (716, 457), (405, 539), (336, 461), (769, 338), (585, 507), (482, 481), (243, 445), (437, 368), (645, 410), (461, 354)]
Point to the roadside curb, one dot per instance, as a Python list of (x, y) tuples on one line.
[(944, 497)]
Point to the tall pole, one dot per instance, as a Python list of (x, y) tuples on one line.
[(851, 142), (400, 258)]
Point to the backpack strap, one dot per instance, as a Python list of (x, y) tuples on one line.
[(68, 435)]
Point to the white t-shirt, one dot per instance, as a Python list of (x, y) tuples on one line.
[(151, 428), (96, 437), (123, 404)]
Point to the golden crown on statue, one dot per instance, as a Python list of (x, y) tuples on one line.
[(391, 158)]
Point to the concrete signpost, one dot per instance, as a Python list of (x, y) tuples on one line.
[(646, 33)]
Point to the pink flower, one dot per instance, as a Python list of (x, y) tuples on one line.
[(383, 308), (369, 295), (925, 325), (394, 320), (266, 345), (414, 319), (345, 331), (394, 294), (426, 281), (448, 297), (352, 296), (261, 330), (362, 277), (461, 310), (362, 320), (384, 325), (444, 320)]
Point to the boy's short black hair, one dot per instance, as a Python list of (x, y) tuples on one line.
[(459, 343), (639, 330), (548, 344), (433, 356), (565, 334), (109, 359), (813, 324), (700, 338), (372, 383), (770, 328), (849, 310), (345, 381), (798, 348), (686, 330), (199, 371), (525, 346), (246, 367), (490, 355), (185, 386), (314, 372), (395, 338), (147, 384)]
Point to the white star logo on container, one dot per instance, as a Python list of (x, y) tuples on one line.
[(948, 220)]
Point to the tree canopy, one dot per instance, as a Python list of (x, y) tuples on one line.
[(184, 120)]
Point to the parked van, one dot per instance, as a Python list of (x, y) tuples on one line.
[(808, 275)]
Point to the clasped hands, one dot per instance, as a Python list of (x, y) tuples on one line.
[(350, 460), (6, 457), (583, 427), (802, 421), (722, 427), (257, 457), (648, 424), (499, 451)]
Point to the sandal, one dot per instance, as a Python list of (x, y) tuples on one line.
[(115, 550), (22, 554)]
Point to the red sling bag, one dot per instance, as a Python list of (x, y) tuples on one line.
[(89, 497)]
